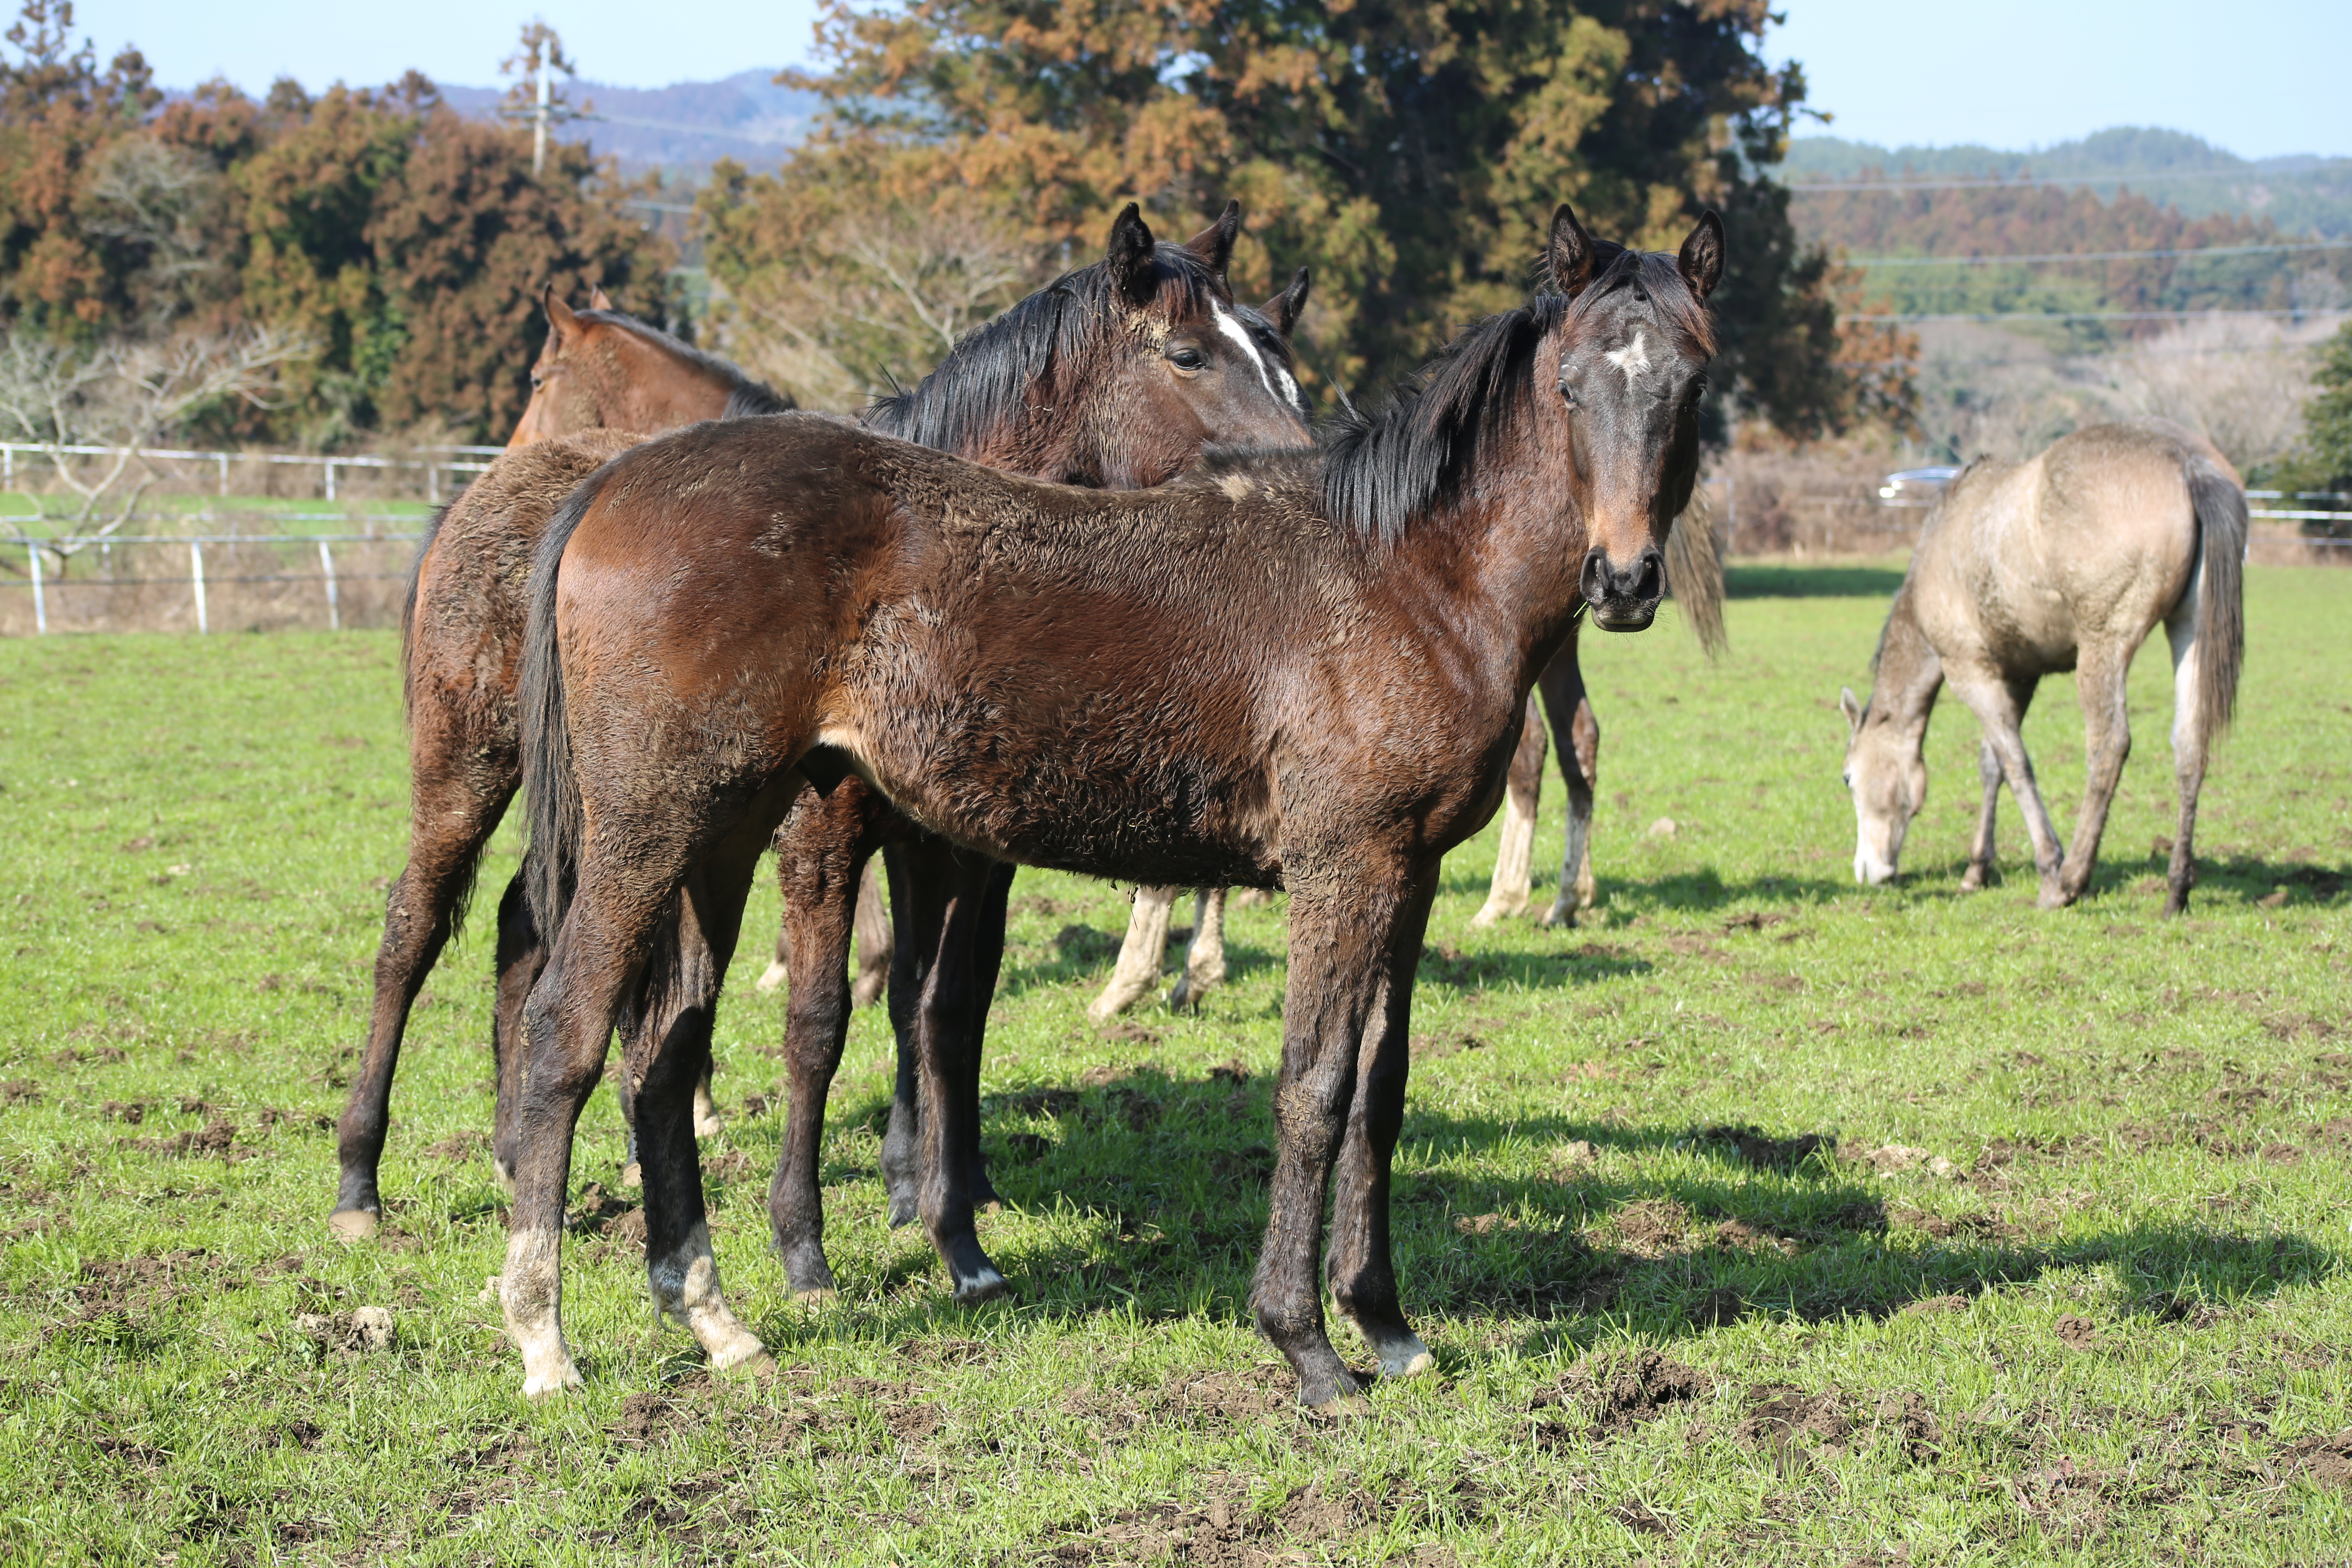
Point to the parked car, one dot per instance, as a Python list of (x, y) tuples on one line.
[(1916, 487)]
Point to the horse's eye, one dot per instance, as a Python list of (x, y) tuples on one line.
[(1848, 776), (1568, 394), (537, 381), (1189, 359)]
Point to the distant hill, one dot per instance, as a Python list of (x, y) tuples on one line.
[(2301, 195), (681, 129)]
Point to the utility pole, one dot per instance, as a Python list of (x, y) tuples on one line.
[(539, 123), (534, 96)]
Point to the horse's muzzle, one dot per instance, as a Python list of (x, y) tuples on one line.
[(1623, 599)]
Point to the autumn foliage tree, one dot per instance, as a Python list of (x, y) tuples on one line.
[(1410, 151), (402, 243)]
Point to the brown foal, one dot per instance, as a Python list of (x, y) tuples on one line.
[(1168, 685)]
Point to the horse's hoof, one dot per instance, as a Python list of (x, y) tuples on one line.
[(632, 1174), (502, 1174), (708, 1125), (987, 1285), (352, 1224), (759, 1366), (774, 975), (1407, 1363), (539, 1385), (816, 1295), (1339, 1395), (903, 1212), (869, 989)]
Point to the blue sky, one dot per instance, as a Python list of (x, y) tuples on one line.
[(2258, 77)]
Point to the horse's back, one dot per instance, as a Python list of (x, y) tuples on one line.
[(2118, 524)]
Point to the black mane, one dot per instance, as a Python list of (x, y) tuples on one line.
[(988, 378), (745, 396), (1409, 455)]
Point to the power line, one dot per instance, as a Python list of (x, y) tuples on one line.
[(2028, 182), (2078, 315), (2097, 254)]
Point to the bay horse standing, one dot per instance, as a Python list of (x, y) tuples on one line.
[(604, 382), (2063, 561), (1168, 685)]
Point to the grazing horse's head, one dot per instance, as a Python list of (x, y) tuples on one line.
[(603, 370), (1118, 374), (1887, 775), (1634, 352)]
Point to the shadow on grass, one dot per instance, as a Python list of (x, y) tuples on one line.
[(1793, 582), (1170, 1173)]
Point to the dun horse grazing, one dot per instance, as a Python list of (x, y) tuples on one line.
[(2062, 562), (604, 382), (1304, 671)]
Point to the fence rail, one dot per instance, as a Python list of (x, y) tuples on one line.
[(201, 581), (449, 460)]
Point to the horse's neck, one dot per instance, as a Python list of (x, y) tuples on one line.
[(651, 391), (1909, 670)]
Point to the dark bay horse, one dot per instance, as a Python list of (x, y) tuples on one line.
[(2065, 561), (604, 382), (1042, 384), (1303, 670)]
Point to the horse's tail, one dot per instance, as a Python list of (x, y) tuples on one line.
[(2221, 506), (550, 786), (408, 606), (1694, 571)]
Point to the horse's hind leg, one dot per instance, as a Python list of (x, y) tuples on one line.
[(669, 1055), (1204, 960), (521, 955), (818, 859), (1980, 871), (2190, 730), (1579, 765), (875, 942), (1363, 1275), (2099, 682), (1522, 793), (1137, 973), (451, 820)]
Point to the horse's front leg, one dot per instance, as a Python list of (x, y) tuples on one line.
[(1565, 701), (1137, 973), (915, 948), (1522, 795), (1363, 1276), (1980, 871), (945, 890), (2106, 734), (1204, 960), (1342, 926), (2000, 704)]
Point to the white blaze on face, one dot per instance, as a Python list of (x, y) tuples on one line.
[(1230, 325), (1632, 359)]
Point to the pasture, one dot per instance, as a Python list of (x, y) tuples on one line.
[(1761, 1218)]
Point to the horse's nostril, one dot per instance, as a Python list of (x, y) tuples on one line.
[(1594, 581), (1653, 584)]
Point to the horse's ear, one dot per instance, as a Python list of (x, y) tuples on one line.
[(1701, 260), (600, 301), (1285, 309), (1214, 244), (559, 315), (1569, 252), (1851, 707), (1129, 256)]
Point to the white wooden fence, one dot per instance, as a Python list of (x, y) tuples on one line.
[(438, 462)]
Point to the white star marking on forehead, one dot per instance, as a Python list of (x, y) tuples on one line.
[(1230, 325), (1632, 359)]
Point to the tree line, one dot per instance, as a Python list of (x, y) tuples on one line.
[(375, 257)]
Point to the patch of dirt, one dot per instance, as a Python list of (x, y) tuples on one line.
[(1232, 1074), (2078, 1333), (134, 1288), (130, 1112), (1718, 1309), (940, 1352), (459, 1146), (1437, 1048), (218, 1138), (2327, 1460), (1903, 1415), (1636, 1516), (1219, 1528), (1932, 1306), (1760, 1149), (1052, 1102), (1781, 1416), (368, 1331), (1653, 1226), (1895, 1157), (19, 1091), (1622, 1392)]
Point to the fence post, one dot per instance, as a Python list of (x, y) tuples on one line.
[(330, 479), (224, 468), (40, 605), (197, 560), (8, 466), (327, 563), (431, 483)]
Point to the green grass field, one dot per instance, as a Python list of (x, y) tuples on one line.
[(2064, 1279)]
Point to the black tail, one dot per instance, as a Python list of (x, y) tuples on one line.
[(2220, 508), (550, 788), (408, 604)]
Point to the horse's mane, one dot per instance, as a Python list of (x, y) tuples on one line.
[(987, 379), (1385, 468), (745, 396)]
